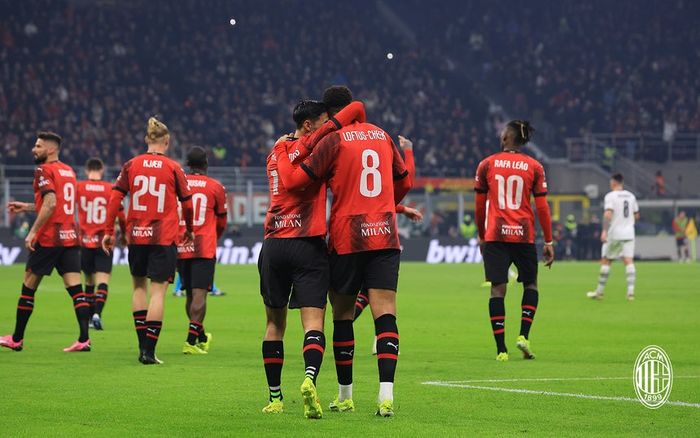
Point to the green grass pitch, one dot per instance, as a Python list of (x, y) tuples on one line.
[(445, 336)]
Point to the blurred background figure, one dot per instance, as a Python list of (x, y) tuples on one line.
[(467, 229), (680, 226)]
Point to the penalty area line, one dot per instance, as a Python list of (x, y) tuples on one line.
[(554, 394)]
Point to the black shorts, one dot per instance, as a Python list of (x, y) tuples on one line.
[(377, 269), (196, 273), (43, 260), (680, 242), (295, 272), (498, 256), (95, 260), (156, 262)]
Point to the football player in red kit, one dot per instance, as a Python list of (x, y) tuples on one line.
[(197, 259), (93, 195), (507, 229), (294, 257), (368, 178), (52, 241), (155, 183)]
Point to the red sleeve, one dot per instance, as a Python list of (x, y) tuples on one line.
[(221, 211), (399, 168), (351, 113), (481, 184), (181, 187), (400, 208), (401, 188), (113, 207), (317, 166), (44, 180), (539, 186), (480, 214), (410, 164), (187, 212), (122, 183), (544, 217), (121, 217)]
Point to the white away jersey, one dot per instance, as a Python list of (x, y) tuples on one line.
[(624, 206)]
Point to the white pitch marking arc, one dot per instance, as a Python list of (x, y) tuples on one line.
[(560, 394)]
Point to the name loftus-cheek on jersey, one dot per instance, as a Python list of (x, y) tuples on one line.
[(370, 134), (368, 229)]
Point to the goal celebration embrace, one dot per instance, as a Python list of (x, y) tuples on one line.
[(241, 218)]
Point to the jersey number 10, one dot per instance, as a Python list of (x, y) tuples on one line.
[(510, 191)]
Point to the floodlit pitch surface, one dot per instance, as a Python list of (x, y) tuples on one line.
[(448, 382)]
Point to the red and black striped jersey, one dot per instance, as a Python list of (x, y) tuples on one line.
[(209, 217), (58, 178)]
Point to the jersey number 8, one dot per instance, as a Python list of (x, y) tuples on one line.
[(368, 170)]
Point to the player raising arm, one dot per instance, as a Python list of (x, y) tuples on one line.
[(621, 211), (294, 256), (368, 178), (156, 183), (507, 229), (52, 240)]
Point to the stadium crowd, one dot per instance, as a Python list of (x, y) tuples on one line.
[(228, 87), (581, 66)]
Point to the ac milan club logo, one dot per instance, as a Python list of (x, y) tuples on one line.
[(653, 377)]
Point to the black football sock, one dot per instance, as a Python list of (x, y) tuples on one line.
[(529, 307), (101, 297), (90, 294), (387, 346), (314, 346), (82, 310), (152, 334), (497, 310), (140, 325), (343, 350), (202, 334), (360, 304), (193, 332), (273, 359), (25, 307)]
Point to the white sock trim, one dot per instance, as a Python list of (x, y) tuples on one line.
[(386, 391), (344, 392)]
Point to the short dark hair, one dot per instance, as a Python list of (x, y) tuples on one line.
[(523, 131), (197, 158), (617, 177), (337, 97), (94, 164), (308, 110), (50, 136)]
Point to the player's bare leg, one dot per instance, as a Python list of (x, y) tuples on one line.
[(528, 308), (101, 292), (599, 292), (273, 356), (383, 305), (25, 307), (313, 348), (497, 313), (71, 281), (631, 275), (343, 349)]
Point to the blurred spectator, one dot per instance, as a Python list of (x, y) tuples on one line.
[(570, 232), (680, 229), (467, 229), (659, 184)]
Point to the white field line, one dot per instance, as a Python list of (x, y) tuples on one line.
[(559, 394), (546, 379)]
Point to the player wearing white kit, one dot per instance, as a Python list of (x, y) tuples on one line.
[(621, 211)]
